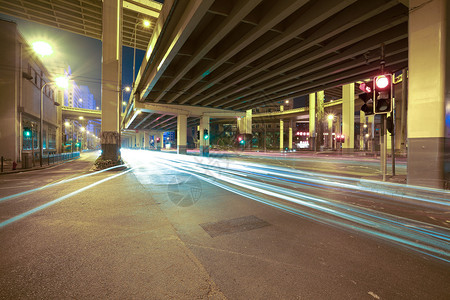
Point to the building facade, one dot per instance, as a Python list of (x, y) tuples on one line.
[(22, 76)]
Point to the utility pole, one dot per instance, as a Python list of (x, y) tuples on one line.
[(383, 135)]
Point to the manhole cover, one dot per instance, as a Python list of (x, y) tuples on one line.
[(233, 225)]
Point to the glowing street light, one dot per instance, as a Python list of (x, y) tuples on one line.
[(330, 117), (81, 117), (146, 24), (124, 103), (42, 48)]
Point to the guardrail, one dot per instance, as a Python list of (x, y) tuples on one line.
[(28, 162)]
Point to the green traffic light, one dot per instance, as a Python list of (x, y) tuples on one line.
[(27, 132), (206, 137)]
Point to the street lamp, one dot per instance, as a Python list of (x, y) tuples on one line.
[(62, 82), (126, 89), (42, 48), (146, 24)]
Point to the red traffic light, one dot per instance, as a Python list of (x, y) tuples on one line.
[(382, 82), (365, 87), (157, 140)]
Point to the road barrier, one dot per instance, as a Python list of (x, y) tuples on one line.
[(27, 160)]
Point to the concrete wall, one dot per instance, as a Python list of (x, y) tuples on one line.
[(8, 91)]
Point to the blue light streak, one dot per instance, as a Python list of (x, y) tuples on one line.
[(48, 204), (272, 184), (57, 183)]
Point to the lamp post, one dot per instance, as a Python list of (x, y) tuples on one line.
[(146, 24), (61, 82), (126, 89)]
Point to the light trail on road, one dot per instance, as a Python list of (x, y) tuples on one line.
[(59, 199), (284, 188), (58, 183)]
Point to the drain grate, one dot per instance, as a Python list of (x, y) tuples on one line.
[(233, 225)]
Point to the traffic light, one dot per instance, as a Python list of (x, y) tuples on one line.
[(367, 97), (340, 138), (78, 144), (158, 139), (383, 94), (198, 134), (205, 134), (241, 140), (27, 132)]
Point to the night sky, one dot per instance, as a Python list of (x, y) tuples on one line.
[(83, 54)]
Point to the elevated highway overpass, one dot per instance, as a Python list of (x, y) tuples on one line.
[(237, 55)]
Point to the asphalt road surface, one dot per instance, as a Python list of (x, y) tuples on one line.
[(183, 227)]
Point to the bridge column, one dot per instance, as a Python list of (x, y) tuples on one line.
[(290, 134), (204, 144), (362, 129), (181, 134), (320, 115), (429, 87), (312, 121), (348, 117), (330, 131), (111, 78), (146, 140), (281, 130)]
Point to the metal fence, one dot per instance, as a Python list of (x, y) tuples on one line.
[(28, 161)]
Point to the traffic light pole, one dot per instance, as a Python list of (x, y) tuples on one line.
[(383, 135), (383, 147)]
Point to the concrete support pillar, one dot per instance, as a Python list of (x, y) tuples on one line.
[(320, 116), (240, 125), (401, 115), (146, 140), (248, 121), (348, 117), (330, 132), (362, 130), (281, 131), (204, 144), (312, 121), (429, 87), (338, 130), (181, 134), (111, 78), (290, 134)]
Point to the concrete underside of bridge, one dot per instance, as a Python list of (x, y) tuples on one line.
[(239, 55)]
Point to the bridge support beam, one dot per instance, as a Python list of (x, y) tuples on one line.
[(429, 87), (281, 131), (362, 130), (111, 78), (290, 134), (204, 144), (348, 117), (312, 121), (182, 134), (320, 115)]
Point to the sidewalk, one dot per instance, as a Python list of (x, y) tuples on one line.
[(8, 165)]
